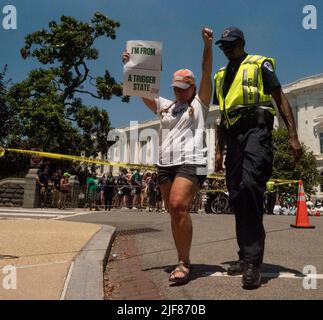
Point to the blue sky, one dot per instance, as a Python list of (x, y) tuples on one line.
[(273, 29)]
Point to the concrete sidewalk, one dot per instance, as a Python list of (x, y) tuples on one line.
[(51, 259), (37, 210), (40, 211)]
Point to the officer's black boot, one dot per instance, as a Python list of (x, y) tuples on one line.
[(251, 278), (236, 268)]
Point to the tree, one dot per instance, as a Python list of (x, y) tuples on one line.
[(3, 106), (6, 115), (285, 168), (50, 114), (70, 45), (8, 133)]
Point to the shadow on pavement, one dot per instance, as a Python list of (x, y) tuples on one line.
[(272, 271), (203, 270), (197, 270)]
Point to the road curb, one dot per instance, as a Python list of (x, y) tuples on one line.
[(35, 212), (85, 277)]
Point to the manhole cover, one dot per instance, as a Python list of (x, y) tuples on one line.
[(128, 232)]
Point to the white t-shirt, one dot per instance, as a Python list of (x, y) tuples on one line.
[(181, 135)]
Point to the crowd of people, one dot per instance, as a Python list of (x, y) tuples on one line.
[(284, 202), (140, 190), (136, 190), (131, 189)]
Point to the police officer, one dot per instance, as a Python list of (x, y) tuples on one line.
[(244, 90)]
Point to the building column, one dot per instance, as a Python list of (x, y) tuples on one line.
[(136, 151), (211, 139), (149, 151)]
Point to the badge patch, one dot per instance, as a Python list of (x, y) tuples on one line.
[(268, 66), (225, 33)]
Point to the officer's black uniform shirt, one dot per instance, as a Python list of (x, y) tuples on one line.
[(270, 79)]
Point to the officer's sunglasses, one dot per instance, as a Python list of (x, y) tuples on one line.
[(228, 45)]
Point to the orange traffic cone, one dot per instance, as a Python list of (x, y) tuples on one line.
[(302, 220)]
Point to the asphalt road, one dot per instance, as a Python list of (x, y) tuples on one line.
[(288, 252)]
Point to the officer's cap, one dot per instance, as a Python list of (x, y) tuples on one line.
[(231, 34)]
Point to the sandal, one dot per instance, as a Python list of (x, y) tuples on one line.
[(181, 268)]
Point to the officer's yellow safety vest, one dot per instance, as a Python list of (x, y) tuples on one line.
[(247, 89)]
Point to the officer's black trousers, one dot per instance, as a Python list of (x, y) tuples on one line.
[(248, 164)]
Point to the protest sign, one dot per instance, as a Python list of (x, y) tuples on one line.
[(142, 83), (141, 74)]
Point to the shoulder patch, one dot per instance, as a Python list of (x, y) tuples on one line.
[(268, 66)]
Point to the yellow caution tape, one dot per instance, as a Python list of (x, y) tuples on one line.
[(281, 180), (216, 176), (76, 158), (115, 164), (284, 183), (277, 181)]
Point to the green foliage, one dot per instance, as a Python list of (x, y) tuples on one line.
[(6, 115), (285, 168), (45, 110), (69, 44)]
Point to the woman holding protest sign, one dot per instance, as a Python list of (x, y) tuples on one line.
[(182, 150)]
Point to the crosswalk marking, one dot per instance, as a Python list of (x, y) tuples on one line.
[(283, 275)]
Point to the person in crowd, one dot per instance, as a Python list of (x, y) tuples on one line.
[(152, 192), (56, 187), (92, 189), (161, 202), (145, 196), (271, 196), (65, 190), (119, 190), (136, 181), (109, 191), (102, 184), (43, 183)]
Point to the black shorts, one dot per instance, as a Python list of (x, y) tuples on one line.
[(126, 190), (137, 191), (193, 172)]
